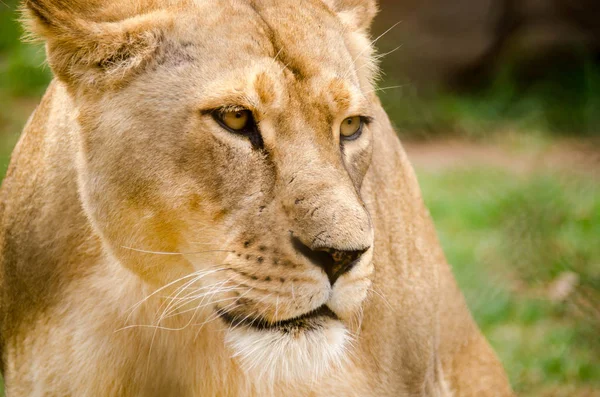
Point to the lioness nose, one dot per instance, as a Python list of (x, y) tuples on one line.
[(334, 262)]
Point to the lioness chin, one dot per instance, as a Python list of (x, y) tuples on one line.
[(210, 201)]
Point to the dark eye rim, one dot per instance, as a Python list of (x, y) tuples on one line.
[(250, 131), (218, 114), (364, 120)]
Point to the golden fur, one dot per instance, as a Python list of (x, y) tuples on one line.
[(133, 226)]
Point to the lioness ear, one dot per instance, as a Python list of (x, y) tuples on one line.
[(356, 13), (94, 53)]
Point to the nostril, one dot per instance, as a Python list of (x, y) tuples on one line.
[(345, 256), (334, 262), (321, 258), (343, 262)]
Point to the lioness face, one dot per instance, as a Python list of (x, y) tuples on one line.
[(233, 163)]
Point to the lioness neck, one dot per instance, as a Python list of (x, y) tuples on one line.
[(57, 232)]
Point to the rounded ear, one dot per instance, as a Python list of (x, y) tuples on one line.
[(83, 52), (356, 13)]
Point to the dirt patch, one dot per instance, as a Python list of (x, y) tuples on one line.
[(565, 156)]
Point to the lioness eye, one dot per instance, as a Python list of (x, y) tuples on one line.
[(351, 128), (240, 122), (235, 120)]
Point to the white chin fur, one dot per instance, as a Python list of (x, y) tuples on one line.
[(273, 356)]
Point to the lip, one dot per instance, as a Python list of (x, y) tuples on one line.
[(304, 321)]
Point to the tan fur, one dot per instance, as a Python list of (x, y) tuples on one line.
[(123, 188)]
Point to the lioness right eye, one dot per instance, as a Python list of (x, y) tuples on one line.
[(236, 120), (239, 122)]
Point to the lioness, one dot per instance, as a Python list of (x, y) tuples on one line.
[(210, 201)]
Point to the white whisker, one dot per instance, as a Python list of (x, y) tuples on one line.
[(370, 46), (381, 56), (385, 88), (173, 253), (383, 298), (195, 274)]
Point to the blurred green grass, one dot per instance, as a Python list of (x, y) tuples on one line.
[(22, 68), (511, 238)]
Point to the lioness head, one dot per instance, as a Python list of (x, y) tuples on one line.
[(221, 150)]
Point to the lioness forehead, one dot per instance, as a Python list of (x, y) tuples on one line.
[(307, 39), (268, 56)]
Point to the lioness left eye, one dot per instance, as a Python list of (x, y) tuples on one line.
[(351, 128)]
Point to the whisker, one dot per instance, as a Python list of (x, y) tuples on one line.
[(215, 315), (370, 46), (186, 298), (201, 306), (212, 288), (173, 253), (276, 308), (191, 299), (195, 274), (259, 314), (378, 58), (276, 56), (383, 298), (173, 297), (383, 55), (385, 88)]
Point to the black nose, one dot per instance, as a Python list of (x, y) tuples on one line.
[(334, 262)]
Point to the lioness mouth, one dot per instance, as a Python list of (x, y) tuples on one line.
[(305, 321)]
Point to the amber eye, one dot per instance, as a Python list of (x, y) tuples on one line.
[(236, 120), (240, 122), (351, 128)]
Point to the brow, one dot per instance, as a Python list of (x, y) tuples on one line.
[(345, 100), (251, 91), (234, 100)]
